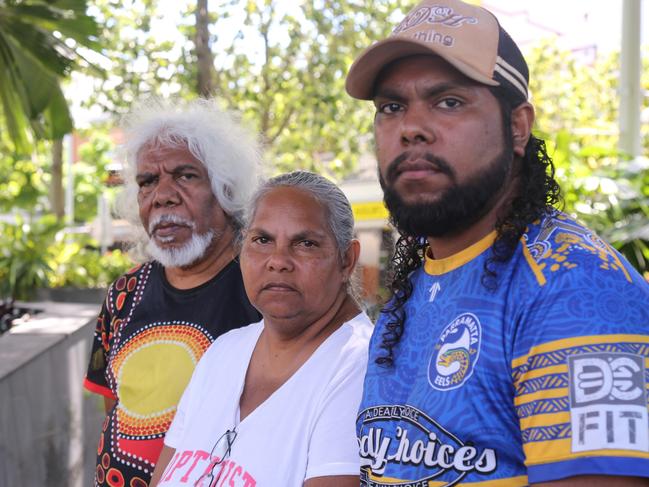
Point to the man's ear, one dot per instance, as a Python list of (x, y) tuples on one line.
[(522, 121)]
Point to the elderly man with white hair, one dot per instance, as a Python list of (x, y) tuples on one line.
[(191, 170)]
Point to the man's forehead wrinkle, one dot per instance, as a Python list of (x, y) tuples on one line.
[(393, 84), (389, 92)]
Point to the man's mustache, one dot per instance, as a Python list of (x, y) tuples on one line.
[(170, 219), (440, 165)]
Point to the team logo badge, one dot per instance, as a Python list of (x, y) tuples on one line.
[(456, 353)]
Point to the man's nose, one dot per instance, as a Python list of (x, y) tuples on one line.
[(417, 126), (166, 193)]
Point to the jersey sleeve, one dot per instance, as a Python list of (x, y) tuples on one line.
[(333, 448), (95, 380), (579, 368)]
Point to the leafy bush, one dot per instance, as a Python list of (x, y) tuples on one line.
[(79, 265), (37, 254), (26, 256)]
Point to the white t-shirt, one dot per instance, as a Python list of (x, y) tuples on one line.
[(304, 429)]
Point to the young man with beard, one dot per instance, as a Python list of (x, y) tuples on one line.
[(190, 173), (514, 349)]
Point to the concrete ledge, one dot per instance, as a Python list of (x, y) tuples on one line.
[(25, 341), (49, 427)]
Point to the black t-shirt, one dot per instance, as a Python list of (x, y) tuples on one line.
[(149, 338)]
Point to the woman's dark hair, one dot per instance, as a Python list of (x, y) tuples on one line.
[(539, 193)]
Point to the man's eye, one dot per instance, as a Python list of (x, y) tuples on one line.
[(145, 183), (187, 176), (449, 103), (388, 108)]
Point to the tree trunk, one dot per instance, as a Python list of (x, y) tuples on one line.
[(57, 201), (205, 61)]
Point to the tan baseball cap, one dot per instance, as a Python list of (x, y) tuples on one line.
[(468, 37)]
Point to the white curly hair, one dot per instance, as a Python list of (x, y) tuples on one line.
[(229, 152)]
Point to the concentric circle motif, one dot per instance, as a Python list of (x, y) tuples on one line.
[(152, 369), (121, 283), (121, 297), (132, 282), (138, 482), (101, 476), (100, 447), (105, 461), (114, 478)]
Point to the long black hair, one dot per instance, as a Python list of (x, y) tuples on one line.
[(537, 195)]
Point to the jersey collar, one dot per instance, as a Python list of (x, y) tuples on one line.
[(436, 267)]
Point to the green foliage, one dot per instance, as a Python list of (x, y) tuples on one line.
[(81, 266), (90, 174), (38, 41), (22, 183), (139, 63), (26, 258), (291, 86), (282, 68), (35, 254)]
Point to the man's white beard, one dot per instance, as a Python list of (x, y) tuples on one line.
[(181, 256)]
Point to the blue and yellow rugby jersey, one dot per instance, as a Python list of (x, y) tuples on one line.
[(543, 378)]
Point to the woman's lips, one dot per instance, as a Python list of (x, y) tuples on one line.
[(278, 287)]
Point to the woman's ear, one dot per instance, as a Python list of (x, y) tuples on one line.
[(522, 122), (350, 259)]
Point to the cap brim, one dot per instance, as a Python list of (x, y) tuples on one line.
[(362, 75)]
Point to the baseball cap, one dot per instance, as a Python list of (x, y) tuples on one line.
[(466, 36)]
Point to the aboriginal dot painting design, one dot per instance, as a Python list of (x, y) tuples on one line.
[(145, 409), (560, 237), (133, 433), (169, 350)]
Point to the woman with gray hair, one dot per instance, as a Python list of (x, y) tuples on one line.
[(275, 403)]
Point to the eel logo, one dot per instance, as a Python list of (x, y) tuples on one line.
[(456, 353)]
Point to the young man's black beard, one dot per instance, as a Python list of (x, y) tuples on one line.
[(457, 208)]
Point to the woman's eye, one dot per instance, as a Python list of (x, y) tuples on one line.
[(187, 176), (260, 240), (307, 243)]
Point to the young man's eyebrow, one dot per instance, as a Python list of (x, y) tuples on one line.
[(393, 94), (389, 93)]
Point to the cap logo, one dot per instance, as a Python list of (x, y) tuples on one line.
[(435, 14)]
